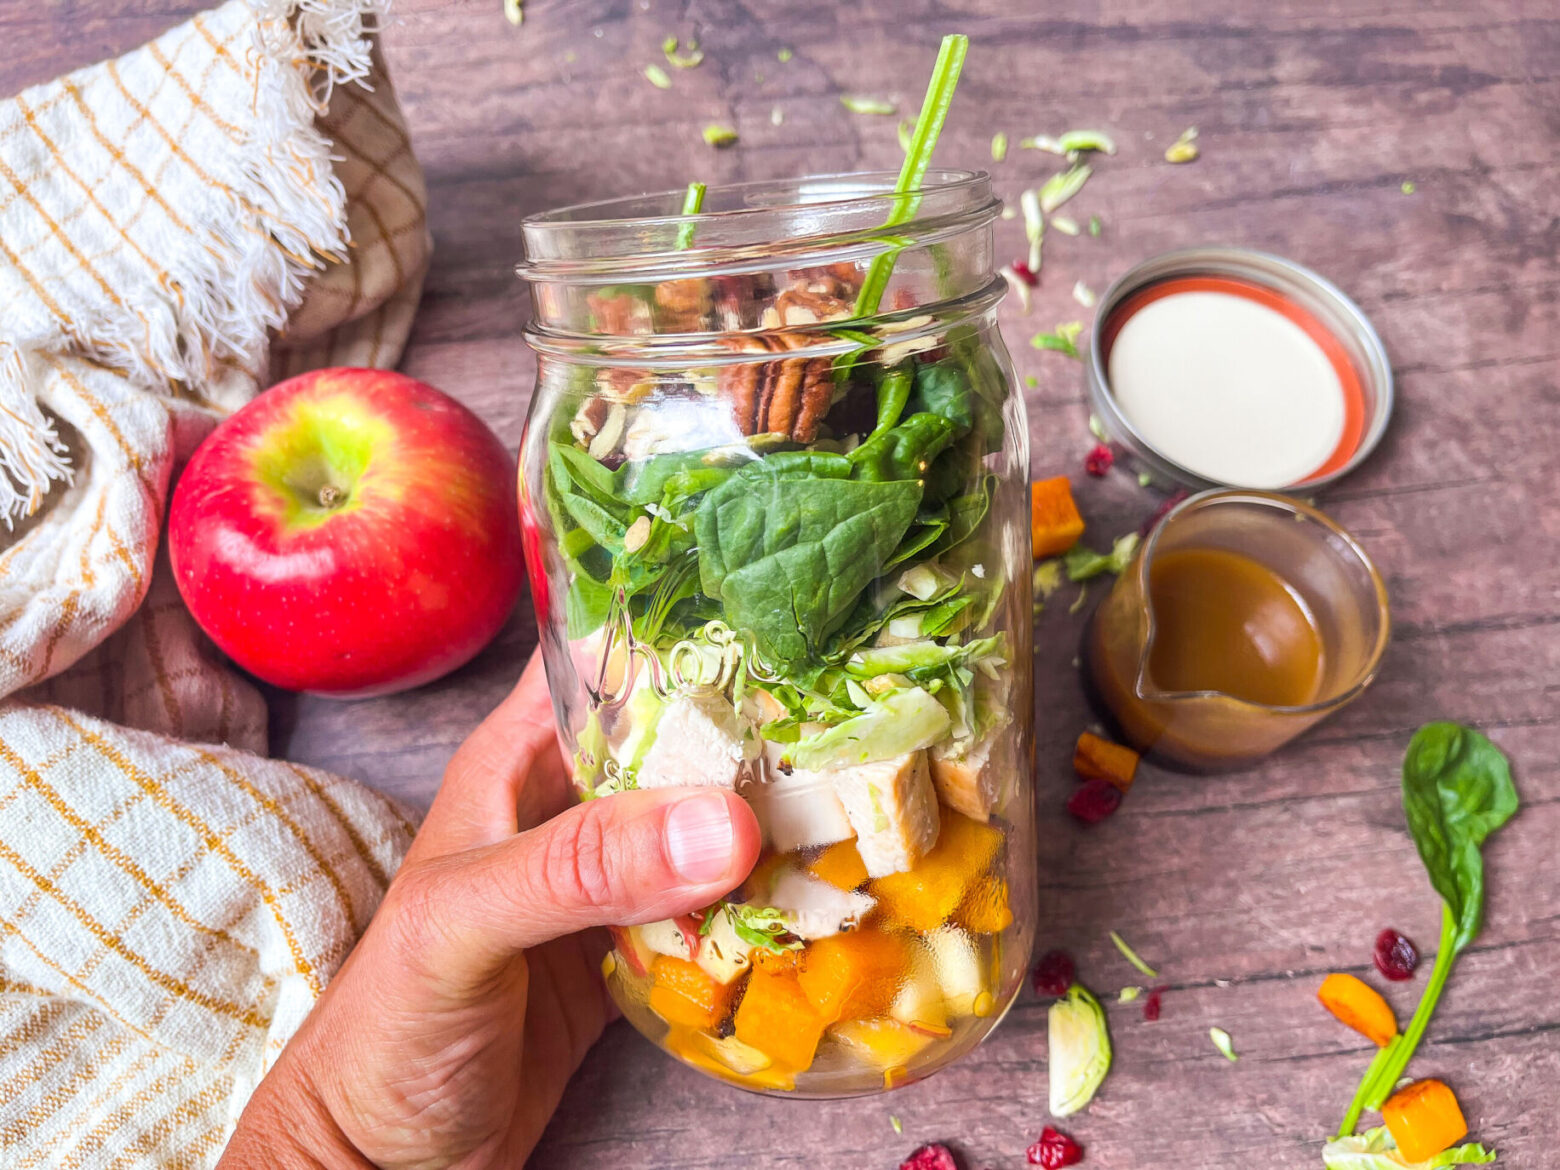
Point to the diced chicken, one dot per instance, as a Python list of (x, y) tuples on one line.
[(796, 810), (967, 781), (893, 808), (815, 909), (699, 741)]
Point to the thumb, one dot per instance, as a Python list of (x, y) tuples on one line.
[(629, 858)]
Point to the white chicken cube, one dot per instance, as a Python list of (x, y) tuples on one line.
[(722, 953), (812, 908), (699, 741), (893, 808), (798, 809), (967, 777)]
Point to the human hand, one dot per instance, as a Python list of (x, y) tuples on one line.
[(449, 1033)]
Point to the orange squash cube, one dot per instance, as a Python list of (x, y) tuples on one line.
[(1360, 1006), (1053, 517), (986, 910), (1424, 1119), (1099, 759), (683, 993), (847, 976), (841, 866), (925, 897), (776, 1018), (885, 1043), (777, 962)]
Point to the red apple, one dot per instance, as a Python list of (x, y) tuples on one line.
[(349, 532)]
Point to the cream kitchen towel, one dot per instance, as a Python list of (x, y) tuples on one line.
[(234, 201)]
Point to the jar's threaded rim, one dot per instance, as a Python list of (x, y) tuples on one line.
[(614, 236)]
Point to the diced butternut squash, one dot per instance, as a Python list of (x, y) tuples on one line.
[(776, 962), (1424, 1119), (684, 993), (1360, 1006), (841, 866), (986, 910), (886, 1043), (1053, 517), (776, 1018), (926, 897), (729, 1059), (847, 976), (1099, 759)]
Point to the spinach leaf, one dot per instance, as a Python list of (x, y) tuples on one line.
[(679, 475), (905, 451), (893, 393), (943, 389), (964, 516), (1457, 790), (788, 543)]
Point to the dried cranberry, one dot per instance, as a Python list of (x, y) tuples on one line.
[(1025, 273), (1396, 955), (1054, 973), (1055, 1149), (933, 1157), (1094, 800), (1170, 501), (1152, 1003), (1100, 460)]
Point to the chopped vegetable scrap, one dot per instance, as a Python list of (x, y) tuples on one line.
[(1131, 956), (784, 55), (1359, 1006), (513, 12), (1094, 800), (1053, 516), (657, 77), (719, 136), (687, 56), (999, 146), (898, 1125), (1083, 563), (1054, 1149), (1408, 187), (1099, 460), (1034, 226), (1184, 148), (1154, 1004), (1096, 225), (1065, 224), (1054, 973), (1059, 188), (1083, 294), (1129, 994), (1221, 1041), (932, 1157), (1424, 1119), (867, 105), (1375, 1150), (1078, 1050), (1064, 339), (1395, 956), (1095, 758)]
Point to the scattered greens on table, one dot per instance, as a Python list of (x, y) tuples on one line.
[(1375, 1150), (1457, 790)]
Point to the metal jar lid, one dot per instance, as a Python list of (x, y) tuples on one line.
[(1320, 298)]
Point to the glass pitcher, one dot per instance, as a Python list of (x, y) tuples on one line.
[(1333, 601), (777, 540)]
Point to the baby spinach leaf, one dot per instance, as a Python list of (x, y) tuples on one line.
[(905, 451), (681, 474), (943, 389), (1457, 790), (788, 543)]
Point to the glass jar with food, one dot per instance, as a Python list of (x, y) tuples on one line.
[(774, 486)]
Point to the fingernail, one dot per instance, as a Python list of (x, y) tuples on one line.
[(699, 838)]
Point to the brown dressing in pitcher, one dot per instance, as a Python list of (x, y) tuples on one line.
[(1224, 622)]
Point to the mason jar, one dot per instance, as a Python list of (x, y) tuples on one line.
[(774, 492)]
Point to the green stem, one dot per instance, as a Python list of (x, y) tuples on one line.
[(1357, 1106), (1445, 956), (928, 126), (693, 203), (1384, 1071)]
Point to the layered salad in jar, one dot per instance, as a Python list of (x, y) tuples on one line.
[(786, 576)]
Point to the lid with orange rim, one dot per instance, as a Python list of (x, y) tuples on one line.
[(1225, 367)]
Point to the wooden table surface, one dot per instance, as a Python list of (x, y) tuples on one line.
[(1243, 889)]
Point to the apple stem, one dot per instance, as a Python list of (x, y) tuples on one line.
[(330, 496)]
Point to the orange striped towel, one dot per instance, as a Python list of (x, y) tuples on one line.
[(234, 201)]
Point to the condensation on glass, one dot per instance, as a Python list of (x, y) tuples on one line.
[(778, 543)]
